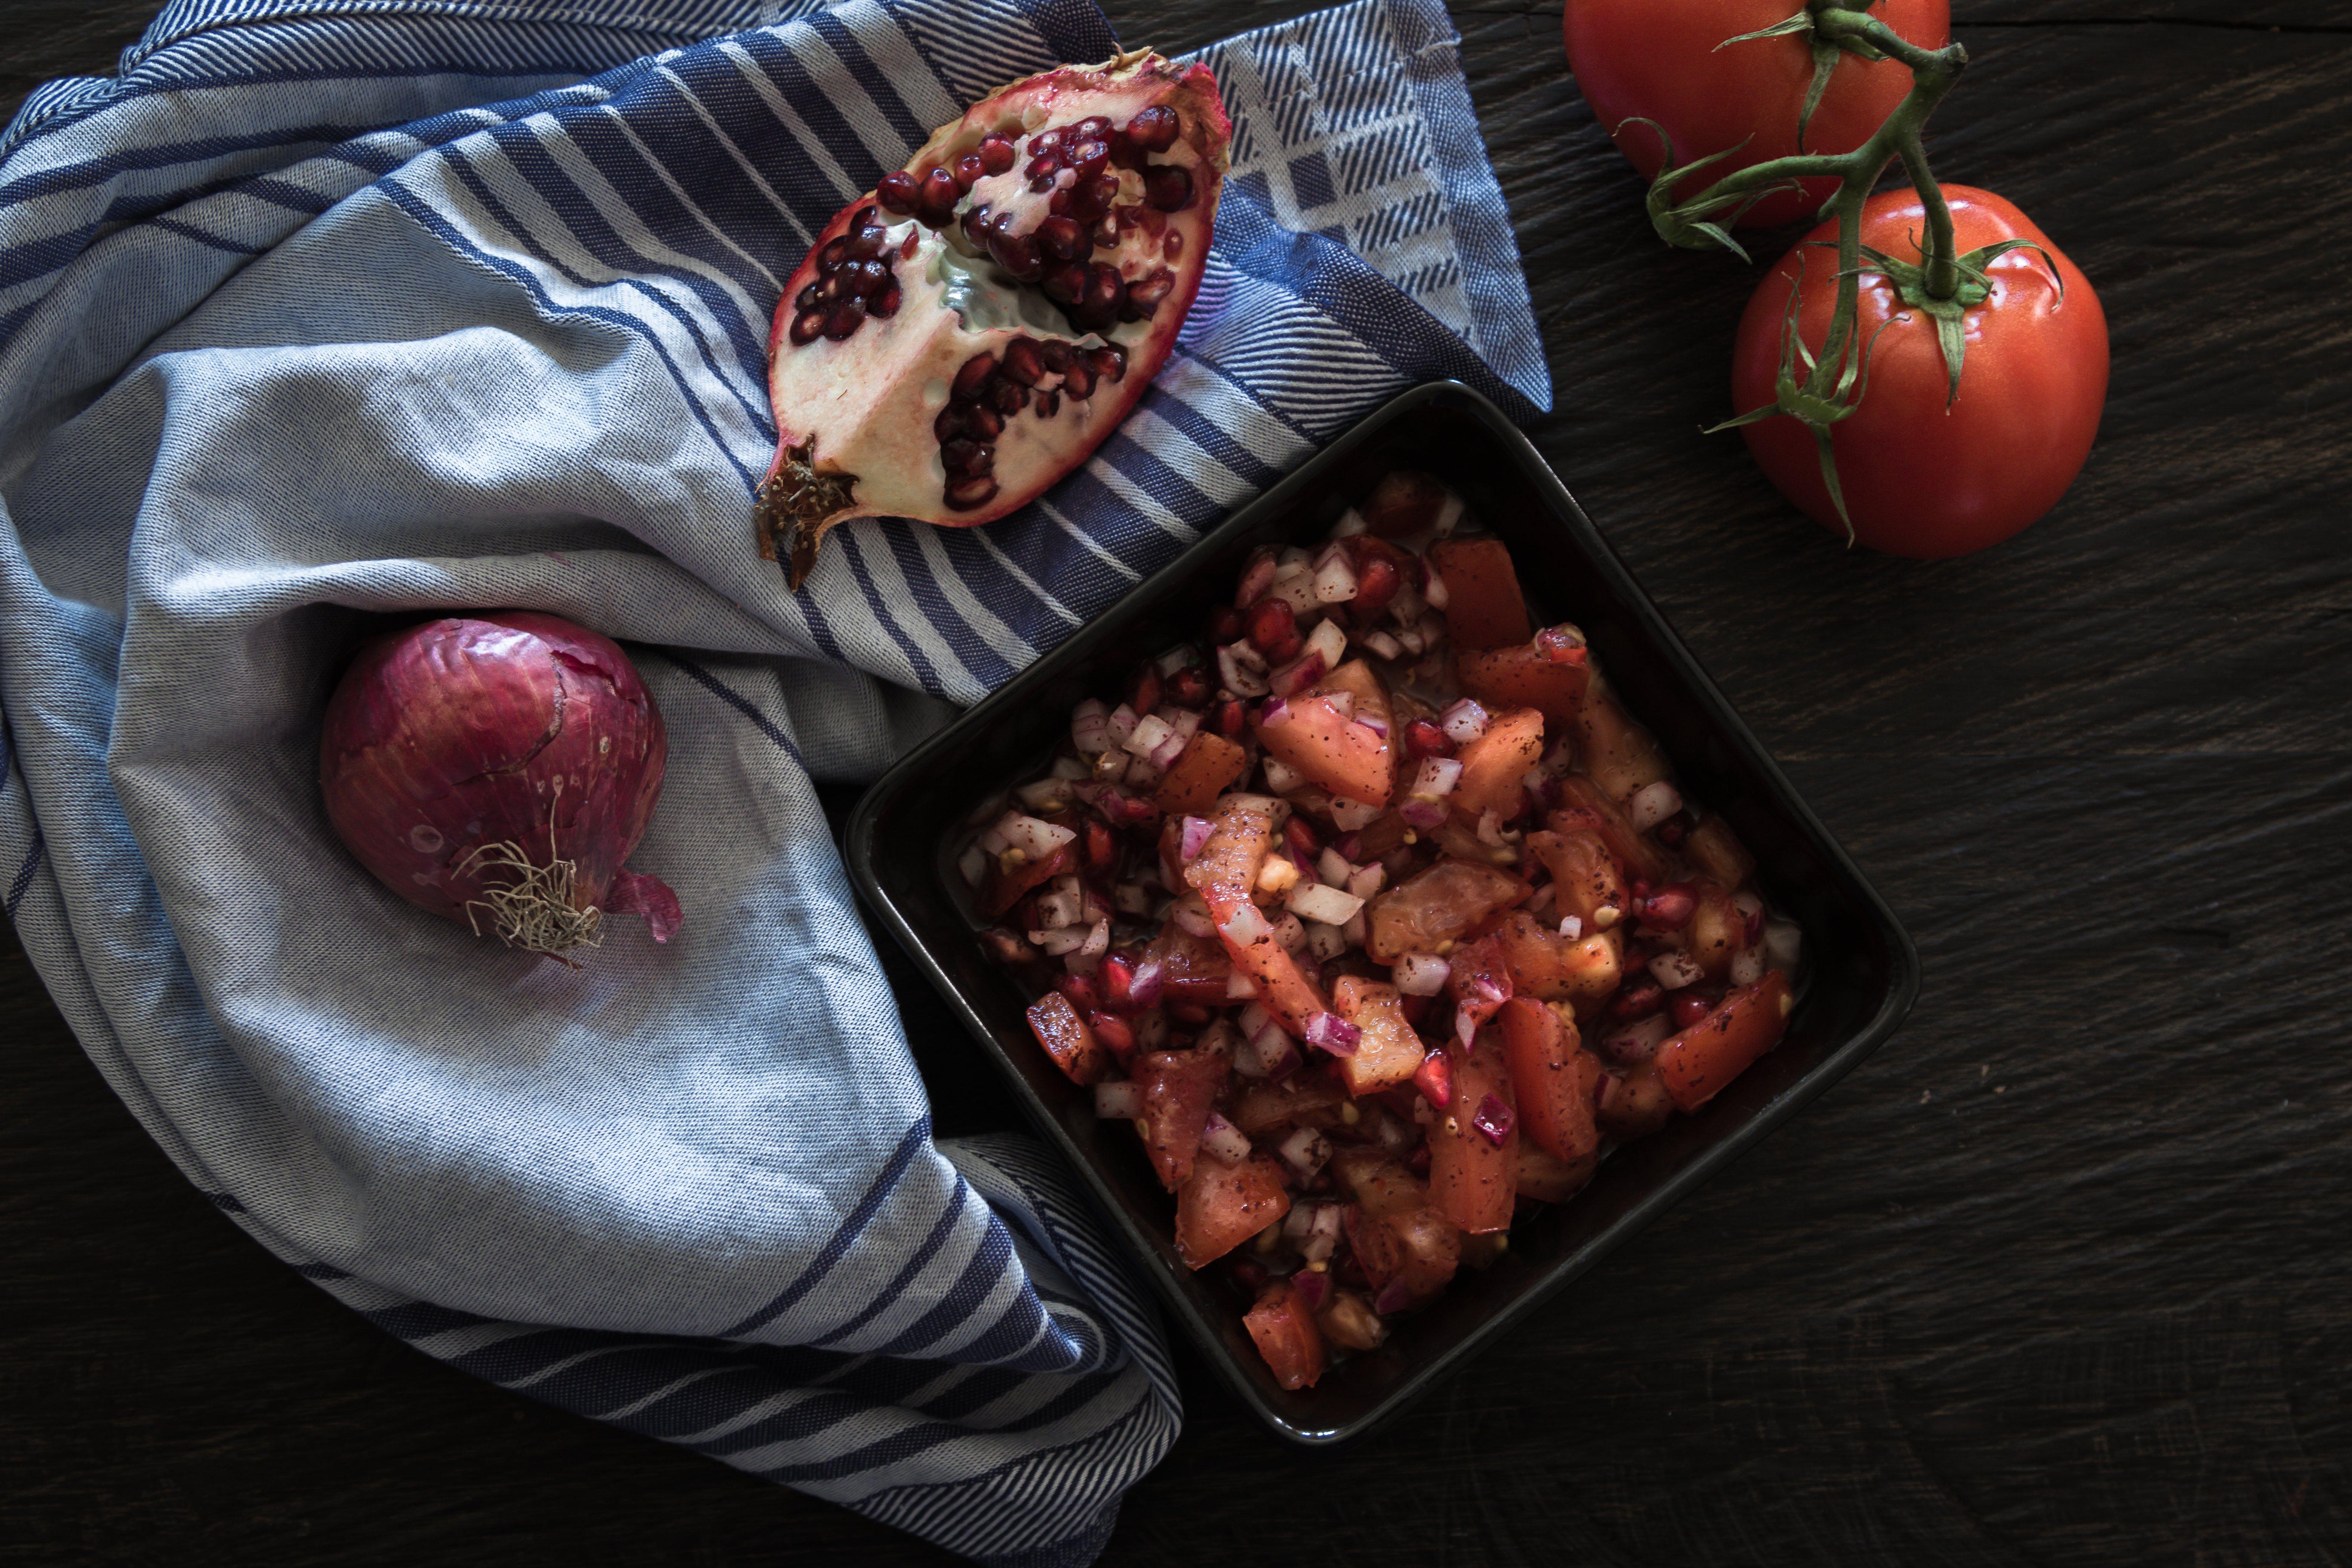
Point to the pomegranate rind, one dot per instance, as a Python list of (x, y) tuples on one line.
[(858, 419)]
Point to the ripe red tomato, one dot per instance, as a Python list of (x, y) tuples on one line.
[(1920, 480), (1640, 57)]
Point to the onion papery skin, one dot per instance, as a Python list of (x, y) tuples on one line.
[(446, 740)]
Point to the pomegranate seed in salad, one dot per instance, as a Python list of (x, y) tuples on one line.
[(1281, 895)]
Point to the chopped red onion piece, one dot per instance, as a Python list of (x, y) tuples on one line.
[(1376, 725), (1674, 968), (1343, 703), (1314, 1286), (1637, 1041), (1351, 523), (1494, 1120), (1653, 804), (1224, 1142), (1276, 711), (1239, 986), (1466, 1026), (1395, 1297), (1357, 932), (973, 864), (1151, 979), (1254, 1021), (1420, 973), (1240, 670), (1187, 722), (1330, 641), (1381, 643), (1183, 655), (1335, 579), (1422, 813), (1334, 1034), (1465, 721), (1090, 727), (1571, 927), (1366, 880), (1281, 777), (1257, 578), (1312, 901), (1118, 1102), (1305, 1150), (1326, 941), (1490, 829), (1437, 776), (1164, 755), (1297, 675), (1781, 941), (1195, 839), (1060, 939), (1323, 1237), (1121, 724), (1331, 868), (1289, 933), (1278, 1054), (1354, 816), (1433, 592), (1145, 734), (1748, 965), (1192, 916)]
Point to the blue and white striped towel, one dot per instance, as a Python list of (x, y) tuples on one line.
[(322, 313)]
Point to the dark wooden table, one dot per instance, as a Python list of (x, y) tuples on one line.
[(2060, 1277)]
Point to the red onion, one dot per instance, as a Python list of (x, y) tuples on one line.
[(1119, 1100), (1437, 776), (496, 770), (1334, 1034), (1297, 675), (1492, 1119), (1653, 804), (1196, 839), (1314, 1288), (1465, 721), (1241, 669), (1257, 578), (1395, 1297), (1420, 973), (1223, 1141)]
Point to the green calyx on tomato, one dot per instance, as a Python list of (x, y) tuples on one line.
[(1975, 286)]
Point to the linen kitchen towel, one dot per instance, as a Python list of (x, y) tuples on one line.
[(321, 316)]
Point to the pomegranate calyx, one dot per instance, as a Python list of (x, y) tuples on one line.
[(794, 507)]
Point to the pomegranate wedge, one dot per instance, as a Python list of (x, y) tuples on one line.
[(967, 333)]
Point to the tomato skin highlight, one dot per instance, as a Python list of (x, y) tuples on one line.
[(1285, 1335), (1637, 58), (1921, 480)]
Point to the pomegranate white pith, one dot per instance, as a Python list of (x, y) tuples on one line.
[(966, 334)]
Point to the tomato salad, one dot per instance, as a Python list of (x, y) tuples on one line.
[(1382, 921)]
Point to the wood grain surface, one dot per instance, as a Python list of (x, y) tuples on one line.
[(2060, 1277)]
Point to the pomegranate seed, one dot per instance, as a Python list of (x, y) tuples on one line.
[(1067, 285), (1047, 140), (938, 195), (1151, 219), (1418, 1163), (1106, 233), (1224, 623), (1247, 1275), (832, 287), (1376, 584), (1116, 980), (1023, 362), (1668, 909), (1088, 157), (1424, 740), (1007, 397), (1143, 689), (1048, 405), (964, 457), (1232, 717), (1016, 255), (898, 191), (1042, 166), (1189, 686), (1086, 202), (1434, 1079), (914, 242), (1687, 1008), (1271, 621), (808, 298), (1093, 127), (1145, 293), (1637, 1000), (967, 172), (996, 154), (875, 276), (974, 377), (1063, 239), (1106, 294), (1154, 128), (835, 252), (807, 327), (1674, 829), (867, 241), (1058, 203), (1299, 834), (965, 494), (976, 225), (1082, 992), (1109, 361), (1056, 355), (1078, 381), (1102, 848), (1128, 216), (1167, 188), (847, 317), (981, 422), (1639, 887), (884, 304), (949, 425), (1173, 246)]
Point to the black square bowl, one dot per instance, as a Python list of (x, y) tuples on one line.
[(1860, 973)]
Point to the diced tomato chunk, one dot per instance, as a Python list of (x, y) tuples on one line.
[(1587, 806), (1285, 1335), (1479, 978), (1484, 606), (1548, 1179), (1581, 971), (1409, 1255), (1620, 754), (1007, 887), (1209, 766), (1191, 968), (1227, 866), (1437, 906), (1390, 1052), (1281, 990), (1716, 931), (1348, 759), (1067, 1038), (1717, 851), (1379, 1185), (1554, 1081), (1635, 1105), (1524, 676), (1472, 1177), (1698, 1062), (1493, 764), (1222, 1205), (1179, 1089), (1309, 1100), (1586, 874)]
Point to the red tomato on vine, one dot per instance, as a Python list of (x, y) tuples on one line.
[(1661, 62), (1923, 477)]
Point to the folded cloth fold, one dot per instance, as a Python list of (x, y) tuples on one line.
[(322, 315)]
